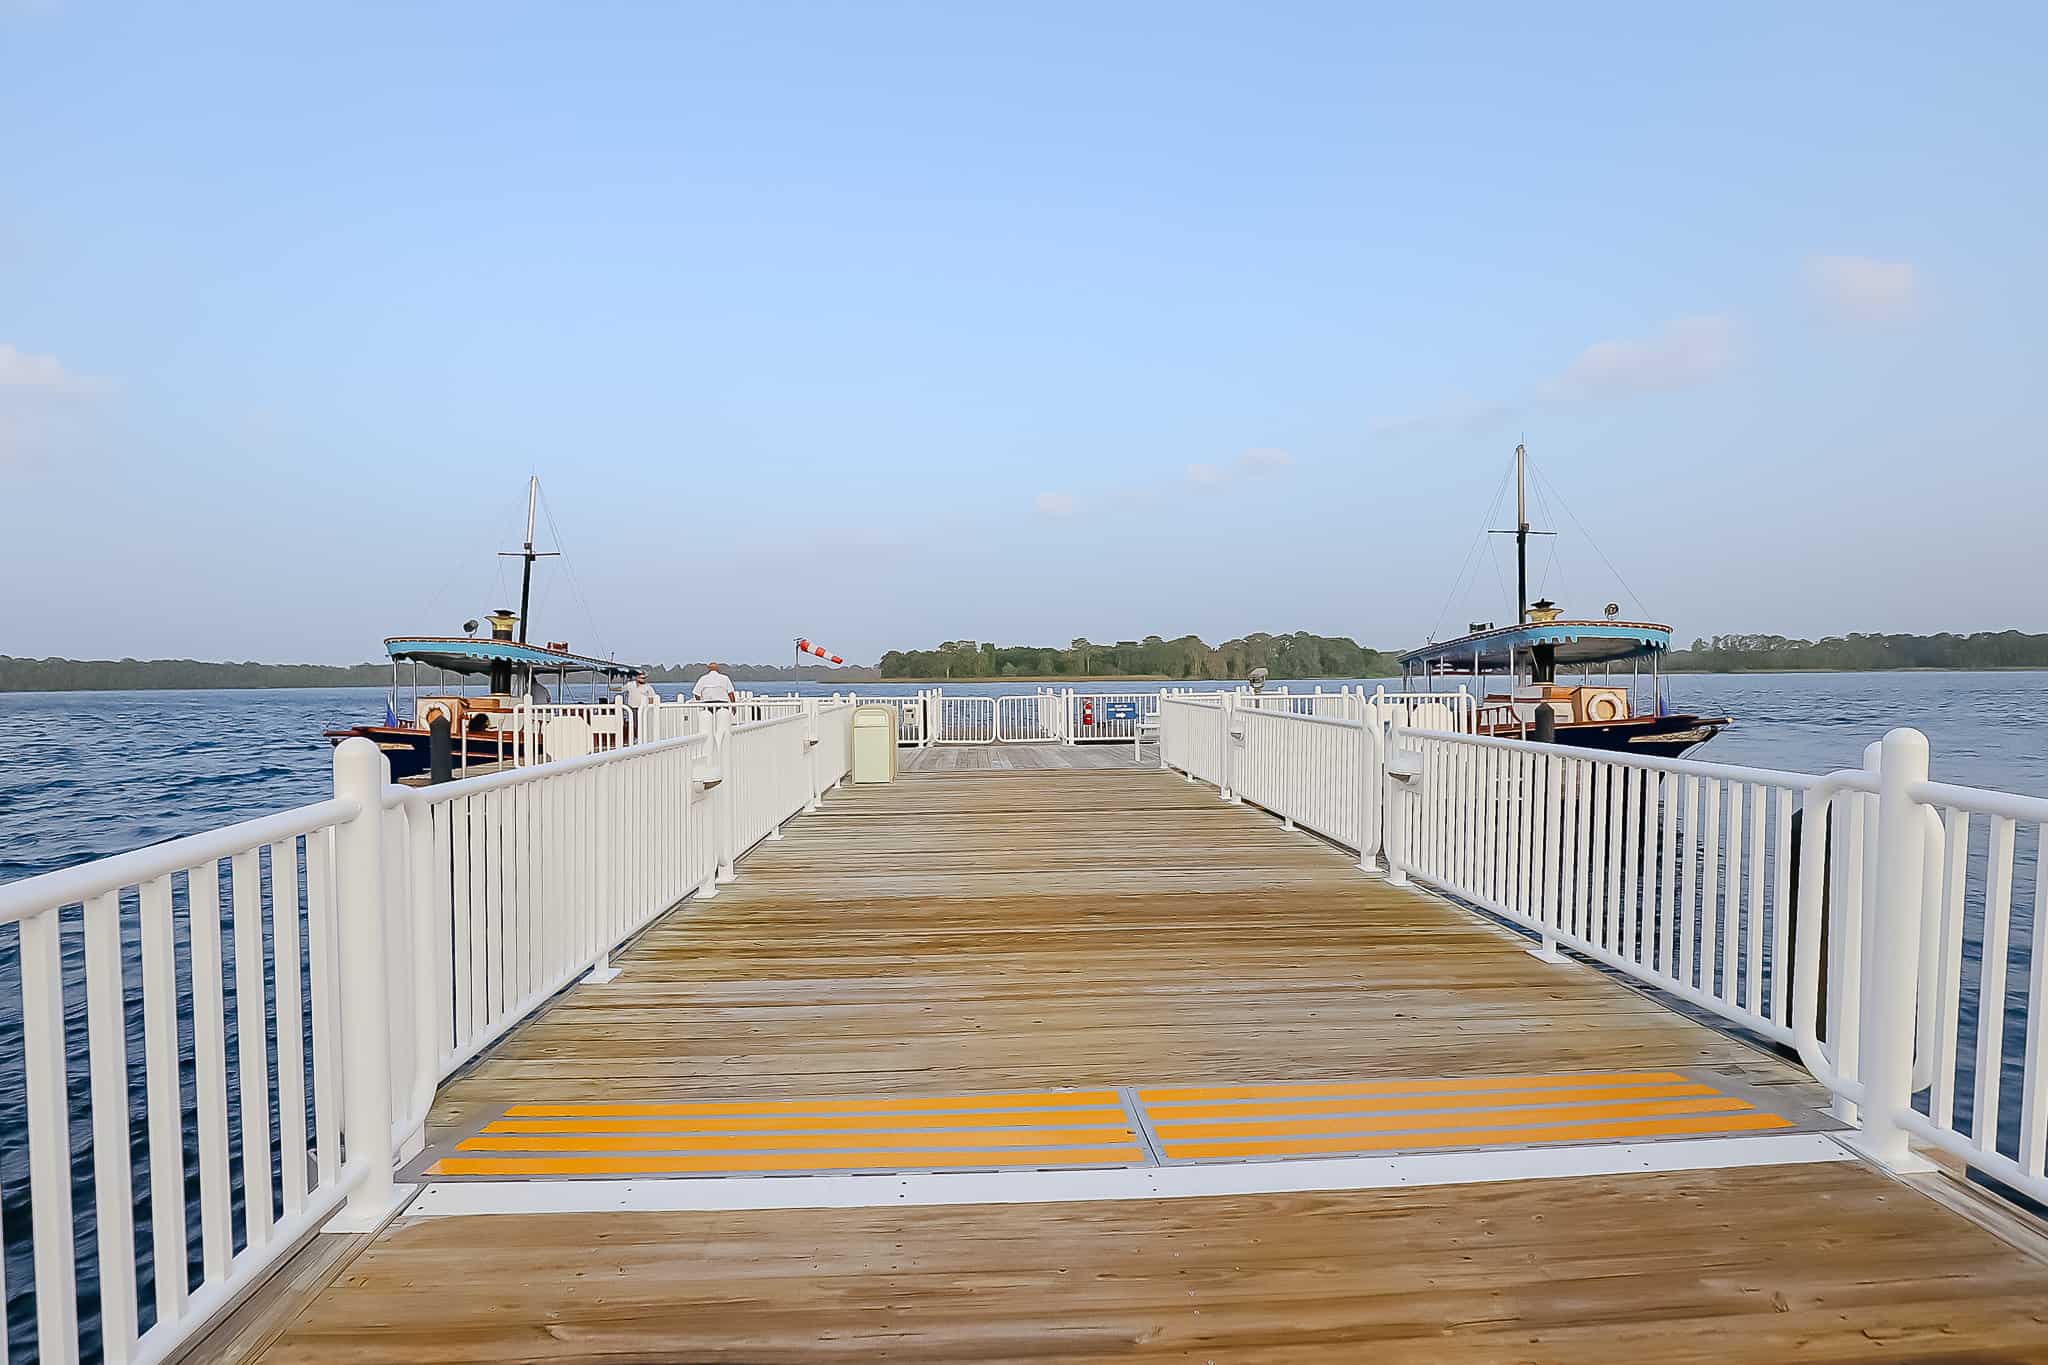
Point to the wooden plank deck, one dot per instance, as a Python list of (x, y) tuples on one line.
[(1001, 930), (1020, 757)]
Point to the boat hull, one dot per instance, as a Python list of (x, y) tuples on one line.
[(1646, 736), (410, 751)]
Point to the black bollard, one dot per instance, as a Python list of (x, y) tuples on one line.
[(1546, 724), (440, 750), (1820, 1006)]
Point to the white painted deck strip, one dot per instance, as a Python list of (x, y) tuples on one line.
[(702, 1194)]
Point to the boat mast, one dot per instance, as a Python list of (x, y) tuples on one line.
[(1521, 539), (526, 570), (528, 554)]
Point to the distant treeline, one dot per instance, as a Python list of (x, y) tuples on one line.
[(145, 675), (1284, 656), (818, 673), (1861, 653)]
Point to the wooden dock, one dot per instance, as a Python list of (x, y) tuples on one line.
[(1120, 931)]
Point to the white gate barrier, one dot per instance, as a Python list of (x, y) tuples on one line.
[(1036, 719), (963, 720)]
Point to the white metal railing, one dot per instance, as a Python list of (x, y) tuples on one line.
[(1452, 710), (1192, 735), (1883, 924), (1317, 772), (1115, 717), (251, 897), (963, 720), (362, 948), (1676, 873), (1040, 718), (548, 731), (1953, 1022)]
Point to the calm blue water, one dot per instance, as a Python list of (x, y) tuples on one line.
[(85, 775)]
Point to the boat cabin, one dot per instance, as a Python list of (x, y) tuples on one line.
[(1603, 708)]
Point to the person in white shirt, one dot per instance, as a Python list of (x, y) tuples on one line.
[(714, 687), (639, 694)]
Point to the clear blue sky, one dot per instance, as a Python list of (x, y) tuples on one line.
[(885, 324)]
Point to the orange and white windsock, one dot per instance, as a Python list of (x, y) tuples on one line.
[(806, 647)]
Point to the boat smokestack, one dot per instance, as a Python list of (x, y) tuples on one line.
[(502, 621)]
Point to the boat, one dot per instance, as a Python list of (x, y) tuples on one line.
[(1624, 713), (483, 726)]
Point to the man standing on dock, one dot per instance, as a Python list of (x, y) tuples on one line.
[(713, 687)]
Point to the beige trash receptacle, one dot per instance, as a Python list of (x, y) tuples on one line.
[(874, 743)]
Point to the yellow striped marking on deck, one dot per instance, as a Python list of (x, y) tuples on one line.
[(807, 1123), (923, 1141), (1319, 1089), (740, 1163), (1032, 1100), (1462, 1119), (1424, 1104), (1752, 1122), (1046, 1128)]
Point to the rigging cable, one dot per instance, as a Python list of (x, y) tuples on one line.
[(575, 585), (1542, 477), (1477, 541)]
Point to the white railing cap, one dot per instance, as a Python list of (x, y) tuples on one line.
[(71, 885)]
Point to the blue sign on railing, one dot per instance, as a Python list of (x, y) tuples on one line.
[(1120, 710)]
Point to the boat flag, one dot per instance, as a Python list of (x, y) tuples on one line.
[(806, 647)]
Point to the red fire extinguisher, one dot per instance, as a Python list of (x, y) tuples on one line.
[(1087, 712)]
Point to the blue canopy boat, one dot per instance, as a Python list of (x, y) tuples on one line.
[(1601, 710), (482, 723)]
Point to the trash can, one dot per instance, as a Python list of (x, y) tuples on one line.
[(874, 743)]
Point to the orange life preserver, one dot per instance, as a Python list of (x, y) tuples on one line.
[(434, 711), (1603, 707)]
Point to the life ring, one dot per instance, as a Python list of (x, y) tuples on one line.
[(435, 711), (1603, 707)]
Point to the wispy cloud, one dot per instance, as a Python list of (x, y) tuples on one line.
[(21, 369), (1056, 504), (1862, 289), (1204, 475), (1266, 460), (1684, 352), (1679, 355), (1462, 413)]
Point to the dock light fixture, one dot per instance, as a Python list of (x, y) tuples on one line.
[(1257, 678), (1613, 610), (469, 627)]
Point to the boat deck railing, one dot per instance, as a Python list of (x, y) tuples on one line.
[(341, 961)]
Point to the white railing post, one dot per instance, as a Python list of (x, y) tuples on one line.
[(1370, 780), (1544, 861), (1394, 792), (359, 776), (814, 748), (1229, 714), (426, 982), (727, 816), (1889, 1012)]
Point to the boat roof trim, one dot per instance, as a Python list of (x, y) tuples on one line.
[(1577, 642), (467, 654)]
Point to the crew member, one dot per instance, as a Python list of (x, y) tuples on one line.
[(714, 687)]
